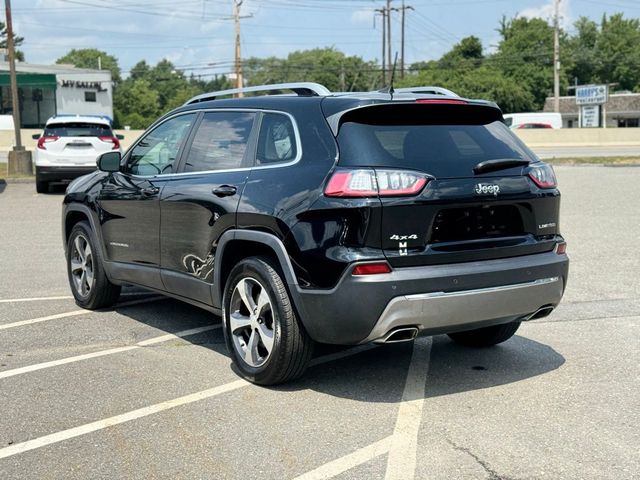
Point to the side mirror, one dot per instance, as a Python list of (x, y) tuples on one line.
[(36, 136), (109, 162), (119, 137)]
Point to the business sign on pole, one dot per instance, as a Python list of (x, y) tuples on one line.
[(592, 94), (590, 116)]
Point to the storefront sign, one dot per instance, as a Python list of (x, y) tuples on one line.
[(590, 116), (81, 84), (592, 94)]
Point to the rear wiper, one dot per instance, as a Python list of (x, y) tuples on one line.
[(499, 164)]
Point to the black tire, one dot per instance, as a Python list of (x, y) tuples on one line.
[(100, 292), (486, 337), (291, 345), (41, 186)]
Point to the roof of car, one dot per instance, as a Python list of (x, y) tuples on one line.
[(79, 119)]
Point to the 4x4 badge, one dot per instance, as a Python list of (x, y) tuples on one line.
[(487, 189)]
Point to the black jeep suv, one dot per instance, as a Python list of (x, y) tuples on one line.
[(318, 217)]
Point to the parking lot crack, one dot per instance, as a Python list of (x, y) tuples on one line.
[(493, 475)]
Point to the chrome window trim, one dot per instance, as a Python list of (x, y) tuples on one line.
[(169, 176)]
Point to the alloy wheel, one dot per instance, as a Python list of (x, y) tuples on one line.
[(251, 322), (81, 260)]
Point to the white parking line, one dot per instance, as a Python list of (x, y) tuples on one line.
[(75, 313), (342, 464), (110, 351), (118, 419), (129, 416), (35, 299), (62, 297), (401, 464)]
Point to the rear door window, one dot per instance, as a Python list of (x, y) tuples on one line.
[(220, 142), (277, 140), (77, 129)]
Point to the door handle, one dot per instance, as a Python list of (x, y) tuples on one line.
[(150, 191), (224, 191)]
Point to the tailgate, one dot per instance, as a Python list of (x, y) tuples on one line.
[(460, 215)]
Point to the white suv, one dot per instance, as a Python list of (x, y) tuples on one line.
[(69, 147)]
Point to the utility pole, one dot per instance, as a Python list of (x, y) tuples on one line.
[(383, 11), (389, 38), (556, 56), (238, 63), (19, 160), (403, 9)]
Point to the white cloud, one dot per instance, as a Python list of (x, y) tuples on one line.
[(363, 17), (546, 12)]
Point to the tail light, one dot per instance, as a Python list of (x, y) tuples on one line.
[(367, 182), (561, 248), (371, 269), (543, 176), (441, 101), (113, 140), (42, 141)]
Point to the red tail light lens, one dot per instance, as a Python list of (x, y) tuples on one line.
[(371, 269), (561, 248), (442, 101), (372, 183), (44, 140), (543, 176), (113, 140)]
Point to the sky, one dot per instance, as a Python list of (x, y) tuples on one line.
[(198, 35)]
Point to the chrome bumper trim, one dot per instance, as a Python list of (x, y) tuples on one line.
[(439, 310)]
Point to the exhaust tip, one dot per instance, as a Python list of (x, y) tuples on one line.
[(403, 334), (540, 313)]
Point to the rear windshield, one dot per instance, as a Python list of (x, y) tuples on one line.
[(79, 129), (450, 149)]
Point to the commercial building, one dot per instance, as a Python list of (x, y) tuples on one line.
[(47, 90), (621, 110)]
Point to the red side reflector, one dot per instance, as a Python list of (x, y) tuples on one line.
[(442, 101), (561, 248), (371, 269)]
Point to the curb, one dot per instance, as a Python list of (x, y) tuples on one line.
[(17, 180)]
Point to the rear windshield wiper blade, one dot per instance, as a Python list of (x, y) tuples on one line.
[(499, 164)]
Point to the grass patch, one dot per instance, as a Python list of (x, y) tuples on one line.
[(593, 160)]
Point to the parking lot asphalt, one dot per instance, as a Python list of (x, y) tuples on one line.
[(145, 390)]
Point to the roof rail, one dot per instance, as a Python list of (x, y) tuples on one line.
[(302, 89), (427, 89)]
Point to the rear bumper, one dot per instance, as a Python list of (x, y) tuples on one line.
[(435, 299), (53, 174)]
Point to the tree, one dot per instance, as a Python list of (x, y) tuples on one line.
[(88, 58), (617, 57), (328, 66), (465, 54), (136, 104), (525, 54), (465, 70), (17, 41), (581, 50)]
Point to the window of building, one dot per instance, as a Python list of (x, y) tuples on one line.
[(89, 96), (628, 122), (220, 142)]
